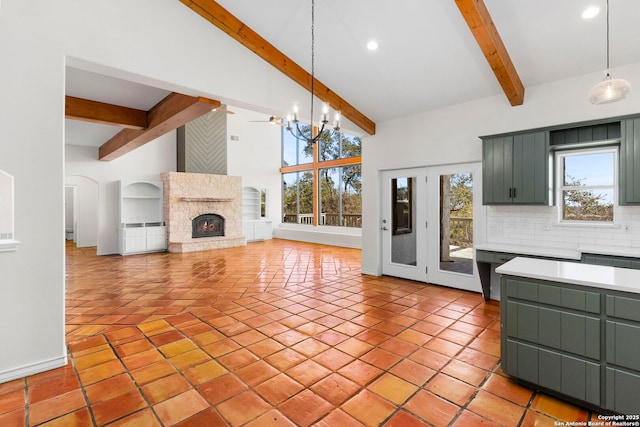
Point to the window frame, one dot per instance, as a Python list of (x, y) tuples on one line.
[(560, 187), (315, 166)]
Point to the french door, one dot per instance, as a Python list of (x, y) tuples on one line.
[(403, 225), (427, 226), (456, 218)]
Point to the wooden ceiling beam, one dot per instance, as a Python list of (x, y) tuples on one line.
[(172, 112), (479, 20), (106, 114), (232, 26)]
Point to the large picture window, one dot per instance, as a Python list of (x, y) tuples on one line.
[(587, 182), (322, 182)]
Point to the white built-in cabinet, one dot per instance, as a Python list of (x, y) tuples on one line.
[(254, 226), (142, 227)]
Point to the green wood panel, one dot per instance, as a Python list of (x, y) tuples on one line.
[(581, 379), (528, 320), (509, 360), (622, 344), (623, 307), (622, 391), (550, 333), (549, 294), (630, 162), (580, 335), (531, 168), (511, 322), (511, 286), (580, 300), (527, 290), (550, 369), (528, 363), (497, 170)]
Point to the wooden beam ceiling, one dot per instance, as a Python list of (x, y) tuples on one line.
[(106, 114), (221, 18), (481, 25), (172, 112)]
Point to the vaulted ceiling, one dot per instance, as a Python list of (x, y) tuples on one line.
[(427, 56)]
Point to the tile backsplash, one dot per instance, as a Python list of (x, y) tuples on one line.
[(538, 226)]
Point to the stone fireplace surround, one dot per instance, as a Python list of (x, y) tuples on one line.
[(187, 195)]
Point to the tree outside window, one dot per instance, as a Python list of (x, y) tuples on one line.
[(587, 185), (336, 165)]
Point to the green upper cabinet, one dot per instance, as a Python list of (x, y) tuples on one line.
[(515, 169), (629, 184)]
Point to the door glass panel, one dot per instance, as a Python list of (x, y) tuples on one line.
[(456, 223), (403, 240)]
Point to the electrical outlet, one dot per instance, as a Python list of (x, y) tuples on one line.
[(627, 228)]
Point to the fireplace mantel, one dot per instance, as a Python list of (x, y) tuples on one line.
[(207, 199)]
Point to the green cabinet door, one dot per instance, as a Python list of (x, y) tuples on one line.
[(515, 169), (629, 185), (497, 170)]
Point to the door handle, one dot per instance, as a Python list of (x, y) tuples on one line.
[(385, 228)]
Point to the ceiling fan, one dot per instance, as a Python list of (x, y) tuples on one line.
[(272, 119)]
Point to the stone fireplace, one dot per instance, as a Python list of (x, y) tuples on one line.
[(210, 203)]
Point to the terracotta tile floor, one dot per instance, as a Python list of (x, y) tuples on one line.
[(276, 333)]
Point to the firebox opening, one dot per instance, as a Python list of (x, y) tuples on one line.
[(207, 225)]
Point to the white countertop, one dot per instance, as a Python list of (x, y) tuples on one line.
[(530, 250), (598, 276)]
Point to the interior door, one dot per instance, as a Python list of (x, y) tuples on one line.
[(403, 226), (456, 217)]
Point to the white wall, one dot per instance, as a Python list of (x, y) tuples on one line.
[(450, 135), (143, 164), (256, 156), (37, 41)]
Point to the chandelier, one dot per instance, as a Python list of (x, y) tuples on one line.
[(609, 89), (324, 118)]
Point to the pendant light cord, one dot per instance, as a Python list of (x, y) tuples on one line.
[(313, 8), (607, 37)]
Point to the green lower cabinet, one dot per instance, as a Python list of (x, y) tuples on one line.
[(623, 389), (579, 342)]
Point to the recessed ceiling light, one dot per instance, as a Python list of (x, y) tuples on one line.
[(372, 45), (590, 12)]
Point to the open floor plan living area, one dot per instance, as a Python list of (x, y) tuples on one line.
[(274, 333)]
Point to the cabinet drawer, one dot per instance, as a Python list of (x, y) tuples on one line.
[(569, 375), (534, 291), (134, 232), (622, 344), (623, 307), (623, 389), (569, 332), (494, 257)]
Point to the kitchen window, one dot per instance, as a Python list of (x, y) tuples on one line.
[(587, 185)]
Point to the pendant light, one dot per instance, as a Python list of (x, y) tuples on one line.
[(609, 89), (324, 118)]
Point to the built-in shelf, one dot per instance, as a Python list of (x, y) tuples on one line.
[(142, 227), (207, 199)]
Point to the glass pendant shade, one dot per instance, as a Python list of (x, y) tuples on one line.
[(609, 90)]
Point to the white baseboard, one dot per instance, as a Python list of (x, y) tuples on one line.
[(302, 233), (34, 368)]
